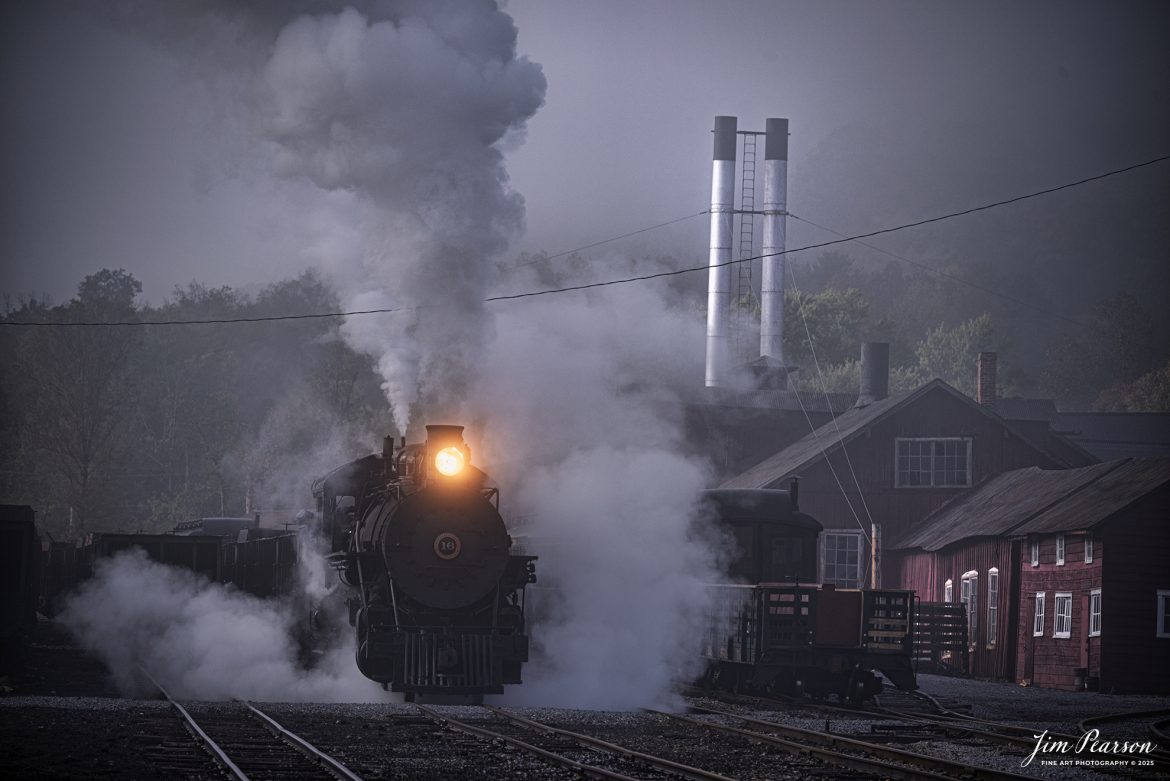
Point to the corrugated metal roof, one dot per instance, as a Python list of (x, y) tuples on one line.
[(1100, 499), (1034, 500)]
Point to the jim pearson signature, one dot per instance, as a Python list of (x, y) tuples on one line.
[(1089, 743)]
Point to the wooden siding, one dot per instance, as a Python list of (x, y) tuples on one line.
[(871, 458), (1137, 549), (926, 574), (1052, 661)]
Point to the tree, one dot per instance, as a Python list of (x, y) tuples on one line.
[(1148, 393), (949, 353), (828, 322), (79, 392)]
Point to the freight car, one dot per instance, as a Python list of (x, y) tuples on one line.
[(19, 583), (780, 632), (437, 593)]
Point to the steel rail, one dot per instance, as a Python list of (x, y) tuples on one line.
[(686, 771), (590, 771), (202, 737), (331, 765), (954, 769)]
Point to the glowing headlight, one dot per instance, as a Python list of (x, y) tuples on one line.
[(449, 461)]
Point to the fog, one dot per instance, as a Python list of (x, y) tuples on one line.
[(409, 150)]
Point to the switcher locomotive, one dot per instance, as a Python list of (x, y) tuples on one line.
[(437, 594), (782, 633)]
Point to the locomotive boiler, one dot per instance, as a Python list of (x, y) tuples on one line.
[(437, 595)]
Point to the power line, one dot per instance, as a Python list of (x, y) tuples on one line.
[(641, 278), (544, 258), (952, 277)]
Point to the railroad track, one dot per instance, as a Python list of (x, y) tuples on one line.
[(569, 750), (244, 741), (850, 753)]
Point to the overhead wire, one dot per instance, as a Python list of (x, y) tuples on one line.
[(623, 280)]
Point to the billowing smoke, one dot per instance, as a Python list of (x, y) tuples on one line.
[(406, 108), (574, 407), (201, 640)]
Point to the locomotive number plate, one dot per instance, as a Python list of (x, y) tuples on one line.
[(447, 546)]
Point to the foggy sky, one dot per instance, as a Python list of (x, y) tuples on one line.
[(117, 153)]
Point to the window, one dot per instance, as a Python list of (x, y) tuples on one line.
[(1035, 551), (949, 591), (1163, 613), (1062, 622), (1060, 549), (1088, 547), (970, 597), (923, 463), (1095, 613), (1038, 615), (841, 559), (992, 606)]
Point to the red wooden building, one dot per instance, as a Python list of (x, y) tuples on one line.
[(1064, 574), (892, 461)]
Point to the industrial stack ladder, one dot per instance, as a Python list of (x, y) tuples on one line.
[(741, 329)]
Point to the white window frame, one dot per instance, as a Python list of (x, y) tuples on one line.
[(1038, 615), (861, 553), (1035, 549), (992, 606), (898, 472), (1088, 547), (1060, 550), (1095, 612), (1163, 598), (970, 598), (1062, 622)]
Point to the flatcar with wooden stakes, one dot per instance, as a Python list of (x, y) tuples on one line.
[(777, 631)]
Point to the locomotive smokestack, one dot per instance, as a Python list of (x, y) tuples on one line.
[(719, 274), (775, 210)]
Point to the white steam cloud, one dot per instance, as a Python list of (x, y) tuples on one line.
[(573, 411), (201, 640), (383, 127)]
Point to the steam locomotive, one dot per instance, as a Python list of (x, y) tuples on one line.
[(437, 595), (782, 633)]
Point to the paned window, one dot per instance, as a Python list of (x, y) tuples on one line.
[(992, 606), (1035, 547), (923, 463), (1095, 612), (970, 596), (1038, 615), (1060, 549), (949, 591), (1089, 548), (841, 559), (1163, 612), (1062, 621)]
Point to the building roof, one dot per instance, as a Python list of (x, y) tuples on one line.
[(1113, 435), (1034, 500), (840, 431)]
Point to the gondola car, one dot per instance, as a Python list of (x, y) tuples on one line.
[(777, 631)]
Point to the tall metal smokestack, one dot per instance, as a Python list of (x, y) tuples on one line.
[(775, 209), (719, 274), (875, 373)]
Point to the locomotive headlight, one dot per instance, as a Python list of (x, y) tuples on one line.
[(449, 461)]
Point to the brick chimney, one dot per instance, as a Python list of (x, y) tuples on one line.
[(985, 379)]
